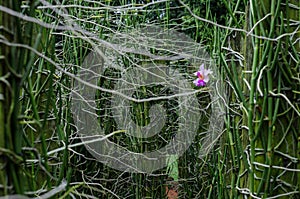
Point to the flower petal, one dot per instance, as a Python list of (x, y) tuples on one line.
[(195, 82), (201, 68), (197, 73), (199, 82), (206, 78), (207, 72)]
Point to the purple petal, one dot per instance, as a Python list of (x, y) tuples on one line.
[(202, 83), (199, 82), (197, 73)]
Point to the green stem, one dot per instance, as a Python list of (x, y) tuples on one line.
[(250, 114)]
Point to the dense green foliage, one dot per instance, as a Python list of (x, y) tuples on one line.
[(255, 45)]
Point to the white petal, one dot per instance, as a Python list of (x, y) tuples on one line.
[(206, 79), (207, 72), (201, 67)]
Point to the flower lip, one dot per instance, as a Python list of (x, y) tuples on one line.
[(199, 82)]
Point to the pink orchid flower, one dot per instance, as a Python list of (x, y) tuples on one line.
[(203, 76)]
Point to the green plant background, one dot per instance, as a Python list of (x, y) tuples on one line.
[(256, 48)]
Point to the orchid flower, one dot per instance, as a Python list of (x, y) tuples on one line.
[(203, 76)]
